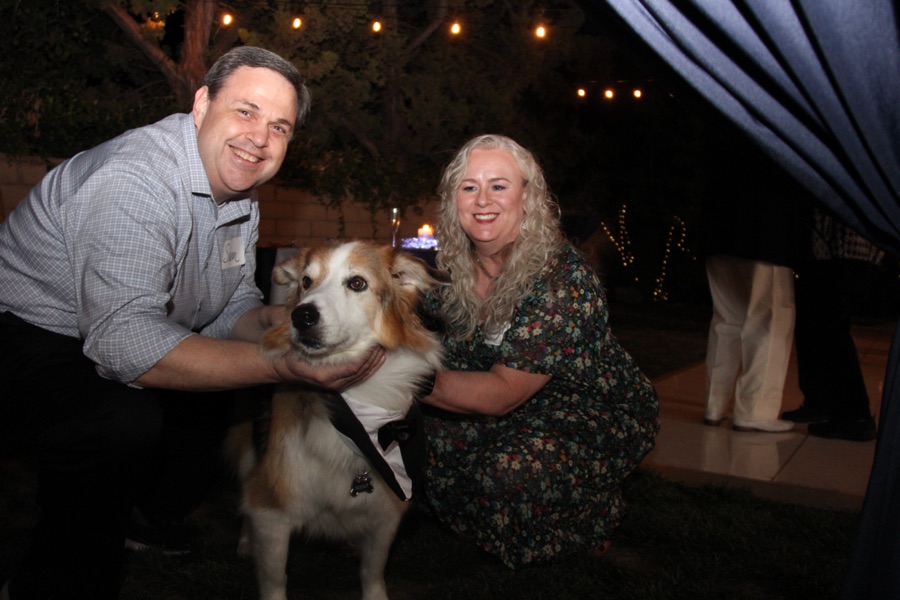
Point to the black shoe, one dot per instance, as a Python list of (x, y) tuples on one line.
[(806, 414), (171, 537), (858, 430)]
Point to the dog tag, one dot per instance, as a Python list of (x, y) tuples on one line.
[(362, 482)]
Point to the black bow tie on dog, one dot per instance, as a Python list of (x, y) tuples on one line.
[(396, 431)]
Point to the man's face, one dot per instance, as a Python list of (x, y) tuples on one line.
[(243, 134)]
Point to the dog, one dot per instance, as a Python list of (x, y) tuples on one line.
[(311, 477)]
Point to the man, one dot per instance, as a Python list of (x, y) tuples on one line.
[(126, 279), (832, 284)]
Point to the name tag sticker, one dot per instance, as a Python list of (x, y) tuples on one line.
[(233, 253)]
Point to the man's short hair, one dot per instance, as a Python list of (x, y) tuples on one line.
[(252, 56)]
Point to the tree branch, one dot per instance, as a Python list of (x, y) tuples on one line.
[(151, 50), (429, 29), (362, 138)]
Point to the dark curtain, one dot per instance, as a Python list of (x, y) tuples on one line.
[(816, 83)]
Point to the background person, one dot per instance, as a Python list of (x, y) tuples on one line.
[(834, 282), (127, 271), (540, 414), (750, 240)]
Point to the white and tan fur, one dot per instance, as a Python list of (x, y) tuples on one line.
[(359, 294)]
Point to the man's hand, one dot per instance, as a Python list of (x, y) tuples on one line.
[(205, 364), (330, 377), (254, 323)]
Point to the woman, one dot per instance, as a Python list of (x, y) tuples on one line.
[(540, 414)]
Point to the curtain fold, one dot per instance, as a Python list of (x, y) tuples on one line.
[(816, 83)]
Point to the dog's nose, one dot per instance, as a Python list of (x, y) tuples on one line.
[(305, 316)]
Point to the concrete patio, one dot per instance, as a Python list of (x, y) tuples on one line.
[(790, 467)]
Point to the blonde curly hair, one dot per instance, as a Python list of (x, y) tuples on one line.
[(540, 238)]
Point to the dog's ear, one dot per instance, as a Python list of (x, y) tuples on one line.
[(284, 273), (411, 281), (409, 271), (287, 272)]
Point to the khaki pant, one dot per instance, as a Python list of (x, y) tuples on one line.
[(750, 337)]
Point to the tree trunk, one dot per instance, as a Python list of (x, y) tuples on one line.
[(198, 19), (185, 76), (394, 110)]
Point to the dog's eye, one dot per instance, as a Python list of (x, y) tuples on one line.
[(357, 284), (306, 282)]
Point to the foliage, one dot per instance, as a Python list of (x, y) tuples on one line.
[(389, 109), (70, 80)]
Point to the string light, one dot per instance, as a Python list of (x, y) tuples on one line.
[(633, 89), (659, 292), (540, 31), (155, 21), (676, 239), (621, 240)]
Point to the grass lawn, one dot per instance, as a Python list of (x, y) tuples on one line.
[(677, 541)]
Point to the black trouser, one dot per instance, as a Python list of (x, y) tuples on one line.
[(827, 292), (102, 447)]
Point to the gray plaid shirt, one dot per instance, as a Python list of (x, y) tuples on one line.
[(124, 247)]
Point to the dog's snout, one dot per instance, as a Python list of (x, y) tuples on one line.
[(305, 316)]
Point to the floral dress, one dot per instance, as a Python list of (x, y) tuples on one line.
[(545, 480)]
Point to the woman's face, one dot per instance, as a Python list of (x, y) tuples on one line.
[(490, 200)]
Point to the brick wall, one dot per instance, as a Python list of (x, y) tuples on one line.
[(289, 217)]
